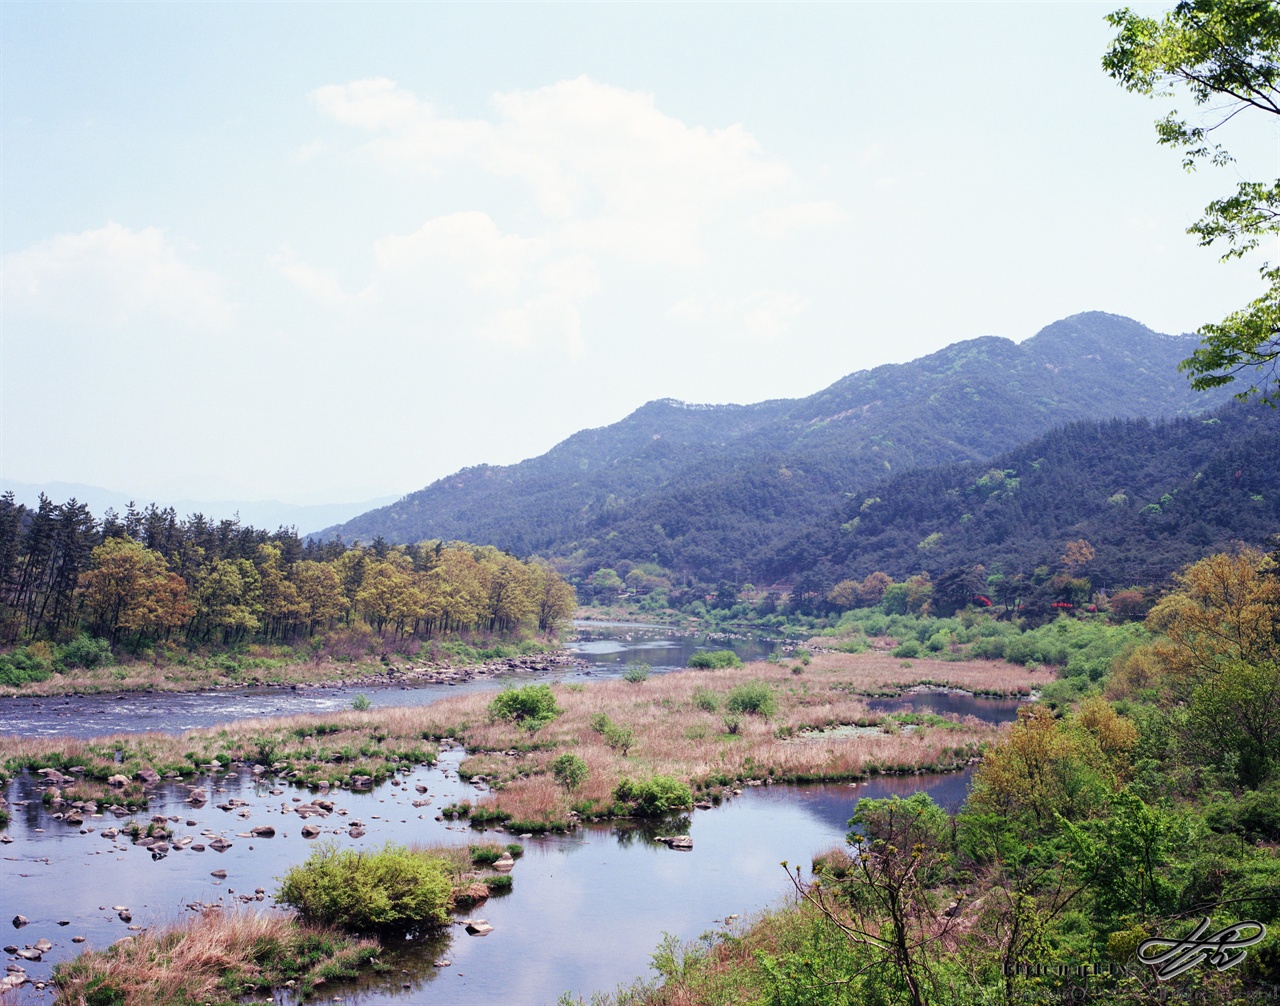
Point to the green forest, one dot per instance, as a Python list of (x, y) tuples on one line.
[(74, 589), (1138, 801)]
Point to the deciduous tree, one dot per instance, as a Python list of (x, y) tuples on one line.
[(1226, 55)]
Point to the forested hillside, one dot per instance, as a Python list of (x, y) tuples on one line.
[(149, 578), (1147, 497), (704, 491)]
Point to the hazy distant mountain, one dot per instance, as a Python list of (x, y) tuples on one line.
[(266, 514), (703, 490)]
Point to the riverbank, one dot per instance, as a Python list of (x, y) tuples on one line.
[(267, 671), (682, 725)]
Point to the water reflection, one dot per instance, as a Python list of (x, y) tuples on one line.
[(585, 913), (951, 703)]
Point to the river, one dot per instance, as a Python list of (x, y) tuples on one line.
[(587, 909)]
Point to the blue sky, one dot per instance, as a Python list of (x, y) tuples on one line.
[(332, 251)]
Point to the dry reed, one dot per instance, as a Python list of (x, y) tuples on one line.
[(212, 957), (672, 735)]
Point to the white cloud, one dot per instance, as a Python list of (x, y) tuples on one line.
[(113, 276), (513, 290), (416, 137), (319, 284), (764, 314), (467, 247), (610, 184), (778, 221), (603, 163), (768, 314)]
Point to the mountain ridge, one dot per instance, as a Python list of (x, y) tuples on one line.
[(696, 488)]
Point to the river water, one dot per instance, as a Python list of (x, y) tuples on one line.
[(587, 909), (604, 650)]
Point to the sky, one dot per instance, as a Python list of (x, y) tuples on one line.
[(327, 252)]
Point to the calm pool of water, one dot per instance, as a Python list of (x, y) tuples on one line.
[(586, 912)]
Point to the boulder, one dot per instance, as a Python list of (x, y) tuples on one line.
[(310, 830), (43, 945), (29, 954), (19, 921), (478, 927), (118, 781), (504, 863), (681, 842), (263, 831), (198, 796), (147, 776)]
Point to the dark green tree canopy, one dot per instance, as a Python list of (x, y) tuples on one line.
[(1226, 55)]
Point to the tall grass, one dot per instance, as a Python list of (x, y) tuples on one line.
[(677, 733), (671, 726), (214, 957)]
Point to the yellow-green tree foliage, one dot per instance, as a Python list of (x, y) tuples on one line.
[(130, 590)]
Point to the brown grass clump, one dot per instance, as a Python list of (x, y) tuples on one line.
[(217, 956), (315, 748), (672, 733), (675, 737)]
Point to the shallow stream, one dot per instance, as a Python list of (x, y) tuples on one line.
[(587, 909)]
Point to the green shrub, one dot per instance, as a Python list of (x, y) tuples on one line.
[(619, 737), (988, 648), (22, 666), (533, 706), (907, 648), (360, 703), (569, 770), (654, 797), (395, 888), (705, 699), (86, 651), (754, 698), (714, 659), (636, 673)]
